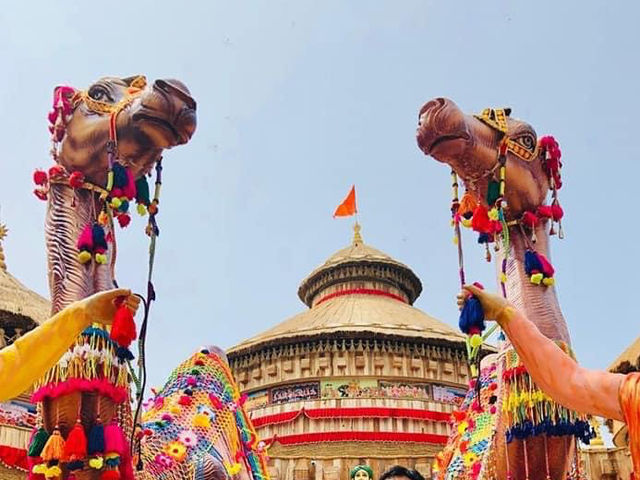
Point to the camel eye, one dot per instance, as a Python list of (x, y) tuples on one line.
[(99, 93), (527, 141)]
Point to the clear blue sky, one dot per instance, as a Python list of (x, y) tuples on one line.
[(298, 100)]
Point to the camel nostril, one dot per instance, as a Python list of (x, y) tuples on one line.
[(177, 89)]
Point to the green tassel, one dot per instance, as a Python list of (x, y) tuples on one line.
[(38, 442), (142, 191), (493, 192)]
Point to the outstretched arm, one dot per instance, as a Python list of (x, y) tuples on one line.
[(556, 373), (28, 358)]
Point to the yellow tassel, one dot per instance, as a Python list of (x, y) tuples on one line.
[(475, 341), (54, 448), (455, 240), (103, 219), (466, 223), (115, 203), (84, 257), (503, 277), (536, 278), (39, 469), (549, 282), (101, 258), (142, 210), (53, 472), (493, 214)]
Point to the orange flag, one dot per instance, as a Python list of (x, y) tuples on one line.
[(348, 205)]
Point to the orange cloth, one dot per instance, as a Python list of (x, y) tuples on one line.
[(348, 205), (630, 403)]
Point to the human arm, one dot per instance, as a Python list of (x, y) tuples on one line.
[(556, 373), (30, 356)]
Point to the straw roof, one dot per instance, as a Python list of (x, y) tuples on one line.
[(19, 306), (358, 315), (629, 360)]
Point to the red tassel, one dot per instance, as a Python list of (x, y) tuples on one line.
[(75, 447), (123, 330), (530, 219), (56, 171), (40, 177), (545, 211), (114, 441), (480, 221), (124, 219), (110, 475), (557, 212), (76, 179)]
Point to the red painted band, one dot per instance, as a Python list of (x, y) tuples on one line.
[(361, 291), (321, 437)]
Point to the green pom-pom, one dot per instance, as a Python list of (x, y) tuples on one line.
[(493, 192), (38, 442), (142, 191)]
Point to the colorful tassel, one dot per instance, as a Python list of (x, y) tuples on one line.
[(95, 445), (75, 447), (467, 205), (142, 191), (472, 317), (85, 244), (480, 221), (123, 330), (54, 448), (38, 441), (114, 441), (493, 192)]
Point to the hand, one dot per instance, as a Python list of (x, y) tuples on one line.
[(101, 307), (492, 304)]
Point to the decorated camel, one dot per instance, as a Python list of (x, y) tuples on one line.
[(509, 428), (106, 141)]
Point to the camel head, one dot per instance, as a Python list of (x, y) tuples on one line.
[(148, 119), (470, 146)]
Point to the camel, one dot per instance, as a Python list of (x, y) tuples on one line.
[(106, 140), (470, 145)]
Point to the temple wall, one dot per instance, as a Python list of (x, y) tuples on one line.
[(311, 381)]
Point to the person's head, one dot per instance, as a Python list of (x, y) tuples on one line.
[(361, 472), (401, 473)]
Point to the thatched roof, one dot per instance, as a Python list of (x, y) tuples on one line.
[(19, 306), (358, 315), (629, 360)]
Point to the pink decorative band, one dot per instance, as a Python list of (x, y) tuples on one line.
[(101, 386)]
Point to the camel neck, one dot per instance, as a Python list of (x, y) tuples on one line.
[(538, 303)]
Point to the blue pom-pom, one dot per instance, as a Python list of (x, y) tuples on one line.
[(120, 178), (95, 443), (124, 353), (75, 465), (484, 238), (531, 262), (472, 316), (99, 239)]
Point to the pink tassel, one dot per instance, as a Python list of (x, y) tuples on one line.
[(85, 240), (547, 268), (114, 441), (129, 189)]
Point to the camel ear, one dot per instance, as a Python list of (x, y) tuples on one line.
[(138, 81), (507, 111)]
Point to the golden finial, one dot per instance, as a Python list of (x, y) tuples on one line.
[(3, 233), (597, 440), (357, 238)]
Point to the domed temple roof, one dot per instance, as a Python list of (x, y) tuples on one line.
[(358, 292)]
